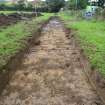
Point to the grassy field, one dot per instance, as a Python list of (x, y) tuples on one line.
[(11, 38), (10, 12), (91, 35), (7, 12)]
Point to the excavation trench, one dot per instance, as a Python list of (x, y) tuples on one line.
[(51, 73)]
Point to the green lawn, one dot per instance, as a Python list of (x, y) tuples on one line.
[(11, 38), (91, 35)]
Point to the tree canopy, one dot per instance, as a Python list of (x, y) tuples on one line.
[(77, 4), (101, 3), (55, 5), (21, 4)]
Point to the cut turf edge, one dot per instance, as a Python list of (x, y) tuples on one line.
[(13, 64)]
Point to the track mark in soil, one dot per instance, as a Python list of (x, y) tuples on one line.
[(51, 74)]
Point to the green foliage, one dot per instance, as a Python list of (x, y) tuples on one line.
[(55, 5), (82, 4), (6, 6), (91, 35), (100, 14), (77, 4), (21, 4), (72, 4), (101, 3), (7, 12), (30, 6)]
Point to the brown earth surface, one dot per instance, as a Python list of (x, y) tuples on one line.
[(13, 18), (51, 73)]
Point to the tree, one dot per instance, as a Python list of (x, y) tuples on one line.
[(82, 4), (2, 6), (21, 4), (55, 5), (36, 4), (71, 4), (77, 4), (30, 6), (101, 3)]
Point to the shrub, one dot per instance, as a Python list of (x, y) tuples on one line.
[(100, 14)]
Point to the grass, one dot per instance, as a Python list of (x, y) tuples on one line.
[(10, 12), (12, 38), (91, 35), (7, 12)]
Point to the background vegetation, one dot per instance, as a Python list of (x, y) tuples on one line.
[(55, 5), (39, 6), (76, 4)]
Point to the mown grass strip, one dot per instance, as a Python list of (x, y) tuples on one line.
[(91, 35)]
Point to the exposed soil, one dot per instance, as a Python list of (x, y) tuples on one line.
[(51, 73), (6, 20)]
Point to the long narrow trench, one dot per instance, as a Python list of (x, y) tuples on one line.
[(50, 74)]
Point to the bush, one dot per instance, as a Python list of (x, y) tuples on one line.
[(100, 14)]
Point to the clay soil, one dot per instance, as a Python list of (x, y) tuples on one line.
[(51, 73)]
